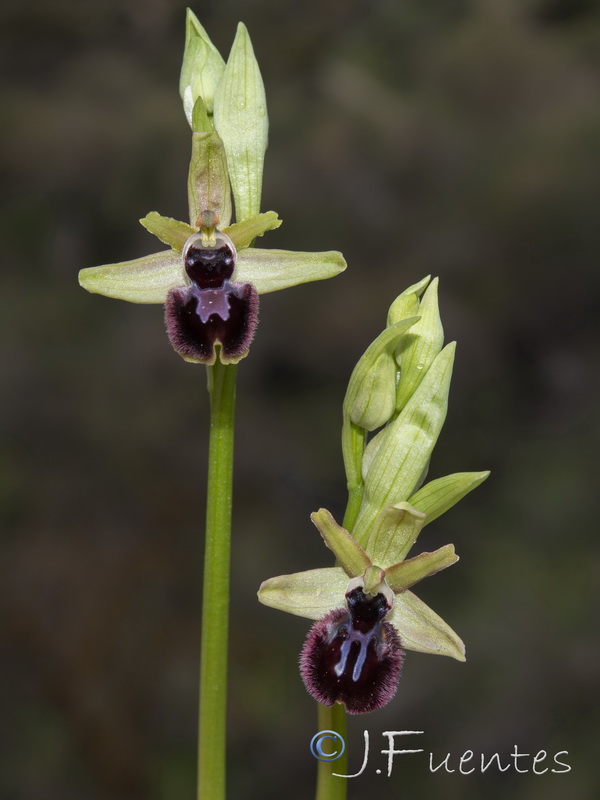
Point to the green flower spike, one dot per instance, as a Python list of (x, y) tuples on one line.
[(210, 306), (366, 613)]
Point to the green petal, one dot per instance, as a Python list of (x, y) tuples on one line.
[(309, 594), (144, 280), (271, 270), (353, 559), (397, 457), (208, 181), (202, 67), (395, 531), (370, 400), (170, 231), (436, 497), (407, 573), (242, 234), (416, 352), (421, 629), (240, 117)]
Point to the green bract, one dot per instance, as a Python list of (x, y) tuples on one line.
[(242, 123)]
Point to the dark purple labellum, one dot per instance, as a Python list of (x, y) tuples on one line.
[(213, 310), (353, 656), (198, 319)]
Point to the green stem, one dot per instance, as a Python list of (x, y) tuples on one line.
[(329, 787), (215, 599)]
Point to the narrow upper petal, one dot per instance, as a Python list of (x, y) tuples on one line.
[(421, 629), (350, 555), (311, 594), (144, 280), (271, 270), (407, 573)]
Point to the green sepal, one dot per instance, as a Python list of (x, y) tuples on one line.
[(416, 351), (310, 594), (407, 303), (370, 399), (421, 629), (242, 234), (407, 573), (436, 497), (143, 280), (208, 181), (170, 231), (395, 531), (352, 558), (396, 458), (240, 117), (202, 68), (149, 279), (271, 270)]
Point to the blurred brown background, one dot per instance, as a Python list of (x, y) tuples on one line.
[(426, 136)]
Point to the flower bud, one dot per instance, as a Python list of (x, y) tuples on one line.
[(416, 351), (371, 396), (407, 304), (201, 72)]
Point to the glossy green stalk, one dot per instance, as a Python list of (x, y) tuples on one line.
[(215, 602), (329, 787)]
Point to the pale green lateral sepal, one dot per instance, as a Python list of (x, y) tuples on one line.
[(310, 594), (407, 573), (407, 303), (240, 117), (416, 351), (144, 280), (208, 181), (170, 231), (436, 497), (202, 67), (352, 558), (370, 400), (271, 270), (242, 234), (421, 629), (395, 531)]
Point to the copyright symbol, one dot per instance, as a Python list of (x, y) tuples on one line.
[(332, 751)]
